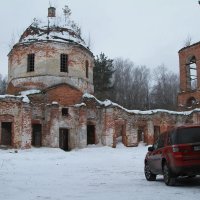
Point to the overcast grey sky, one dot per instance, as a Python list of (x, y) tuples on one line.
[(148, 32)]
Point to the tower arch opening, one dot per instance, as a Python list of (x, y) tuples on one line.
[(191, 102), (191, 73)]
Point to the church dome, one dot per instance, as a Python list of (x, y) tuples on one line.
[(49, 53)]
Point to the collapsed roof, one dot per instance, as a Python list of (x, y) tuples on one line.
[(60, 29)]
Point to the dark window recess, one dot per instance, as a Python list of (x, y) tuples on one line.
[(86, 68), (64, 63), (65, 111), (31, 62)]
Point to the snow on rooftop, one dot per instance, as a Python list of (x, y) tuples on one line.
[(108, 103), (79, 105), (6, 95), (23, 95), (28, 92), (54, 103), (24, 98), (59, 28)]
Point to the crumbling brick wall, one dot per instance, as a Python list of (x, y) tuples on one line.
[(64, 94), (14, 110), (115, 120), (110, 122), (47, 66), (185, 54)]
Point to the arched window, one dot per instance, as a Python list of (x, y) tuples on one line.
[(191, 102), (86, 68), (191, 73)]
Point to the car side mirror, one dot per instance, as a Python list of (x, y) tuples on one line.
[(150, 148)]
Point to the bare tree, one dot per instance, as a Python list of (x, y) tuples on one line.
[(188, 41), (130, 84), (12, 41), (89, 42), (165, 89), (3, 84)]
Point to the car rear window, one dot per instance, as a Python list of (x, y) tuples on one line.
[(188, 135)]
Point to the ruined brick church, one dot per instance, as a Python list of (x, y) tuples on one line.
[(49, 101)]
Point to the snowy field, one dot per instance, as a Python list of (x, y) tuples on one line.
[(94, 173)]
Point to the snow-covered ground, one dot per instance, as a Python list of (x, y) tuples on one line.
[(93, 173)]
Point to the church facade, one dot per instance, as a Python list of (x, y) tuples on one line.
[(50, 100)]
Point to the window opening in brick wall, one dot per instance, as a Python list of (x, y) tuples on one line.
[(192, 74), (65, 111), (64, 63), (30, 62), (86, 68)]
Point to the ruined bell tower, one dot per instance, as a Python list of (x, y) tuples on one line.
[(189, 95)]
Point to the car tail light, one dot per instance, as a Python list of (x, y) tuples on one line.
[(182, 149), (175, 149)]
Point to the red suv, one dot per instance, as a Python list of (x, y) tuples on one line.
[(176, 153)]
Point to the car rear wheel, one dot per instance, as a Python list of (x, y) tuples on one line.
[(148, 174), (169, 179)]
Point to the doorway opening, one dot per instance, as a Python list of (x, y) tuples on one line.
[(36, 135), (140, 134), (6, 133), (91, 134), (64, 139), (156, 132), (119, 134)]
